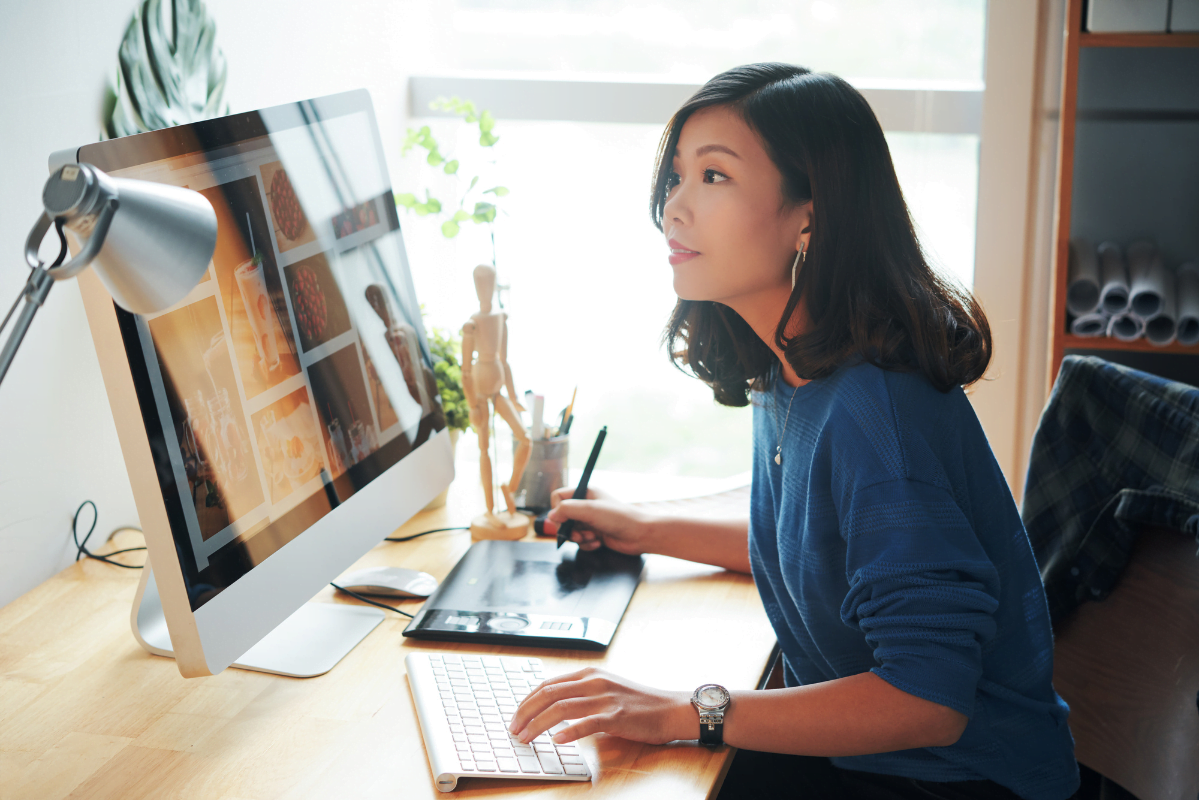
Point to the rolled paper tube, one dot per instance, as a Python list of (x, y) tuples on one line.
[(1083, 278), (1095, 324), (1186, 317), (1148, 279), (1160, 329), (1126, 326), (1114, 279)]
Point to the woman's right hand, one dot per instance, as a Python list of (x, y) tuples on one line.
[(600, 520)]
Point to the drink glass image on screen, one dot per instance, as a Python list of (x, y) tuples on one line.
[(269, 430)]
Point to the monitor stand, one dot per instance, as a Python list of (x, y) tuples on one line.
[(308, 643)]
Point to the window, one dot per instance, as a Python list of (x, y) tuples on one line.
[(587, 282)]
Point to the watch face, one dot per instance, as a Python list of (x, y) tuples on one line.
[(712, 696)]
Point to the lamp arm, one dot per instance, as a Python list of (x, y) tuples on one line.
[(36, 289)]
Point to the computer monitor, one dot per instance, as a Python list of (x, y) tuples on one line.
[(283, 418)]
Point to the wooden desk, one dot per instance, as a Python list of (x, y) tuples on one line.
[(85, 712)]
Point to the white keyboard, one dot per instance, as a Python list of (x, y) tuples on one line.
[(464, 704)]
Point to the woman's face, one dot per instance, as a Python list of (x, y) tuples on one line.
[(732, 237)]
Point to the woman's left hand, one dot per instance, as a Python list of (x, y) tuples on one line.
[(600, 702)]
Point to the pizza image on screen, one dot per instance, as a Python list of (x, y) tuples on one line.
[(292, 227)]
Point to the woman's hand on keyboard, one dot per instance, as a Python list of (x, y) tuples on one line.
[(600, 520), (599, 702)]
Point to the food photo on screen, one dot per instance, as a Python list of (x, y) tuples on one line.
[(340, 392), (250, 288), (206, 410), (353, 220), (289, 444), (291, 225), (321, 312)]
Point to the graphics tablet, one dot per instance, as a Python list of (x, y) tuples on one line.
[(531, 594)]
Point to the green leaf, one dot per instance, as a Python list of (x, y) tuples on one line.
[(451, 167), (449, 229), (486, 122), (484, 212), (434, 205), (499, 191), (422, 209), (434, 158), (474, 181), (488, 139), (406, 199), (461, 215)]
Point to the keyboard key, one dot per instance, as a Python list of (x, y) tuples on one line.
[(575, 769), (569, 759), (542, 747), (507, 764), (485, 766), (483, 749), (523, 749), (467, 766), (462, 747), (459, 737), (567, 748), (474, 738), (529, 764), (550, 764)]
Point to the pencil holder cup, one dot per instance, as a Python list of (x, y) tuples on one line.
[(545, 472)]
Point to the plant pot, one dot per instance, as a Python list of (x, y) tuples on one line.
[(440, 500)]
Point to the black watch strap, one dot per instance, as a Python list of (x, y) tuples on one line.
[(711, 731)]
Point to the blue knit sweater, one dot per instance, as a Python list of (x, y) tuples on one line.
[(887, 540)]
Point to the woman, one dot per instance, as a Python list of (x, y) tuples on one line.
[(882, 536)]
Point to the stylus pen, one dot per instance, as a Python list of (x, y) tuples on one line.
[(564, 530)]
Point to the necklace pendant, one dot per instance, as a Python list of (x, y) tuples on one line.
[(778, 459)]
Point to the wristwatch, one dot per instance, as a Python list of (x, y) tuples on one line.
[(711, 701)]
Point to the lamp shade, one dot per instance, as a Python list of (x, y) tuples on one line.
[(150, 243)]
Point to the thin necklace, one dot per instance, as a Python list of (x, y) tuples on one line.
[(775, 406)]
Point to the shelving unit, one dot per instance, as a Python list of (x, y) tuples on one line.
[(1065, 225)]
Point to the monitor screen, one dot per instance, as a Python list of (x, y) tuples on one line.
[(297, 371)]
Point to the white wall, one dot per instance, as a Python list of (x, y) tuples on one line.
[(58, 444)]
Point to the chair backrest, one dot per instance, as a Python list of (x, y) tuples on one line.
[(1127, 667)]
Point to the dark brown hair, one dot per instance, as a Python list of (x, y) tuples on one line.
[(866, 284)]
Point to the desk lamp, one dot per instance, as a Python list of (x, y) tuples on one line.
[(148, 242)]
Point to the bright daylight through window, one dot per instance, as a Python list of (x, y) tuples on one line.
[(588, 283)]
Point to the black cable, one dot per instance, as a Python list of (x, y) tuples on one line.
[(81, 547), (369, 600), (425, 533)]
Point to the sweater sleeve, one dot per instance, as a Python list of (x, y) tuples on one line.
[(922, 589)]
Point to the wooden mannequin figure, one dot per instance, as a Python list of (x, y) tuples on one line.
[(485, 372)]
